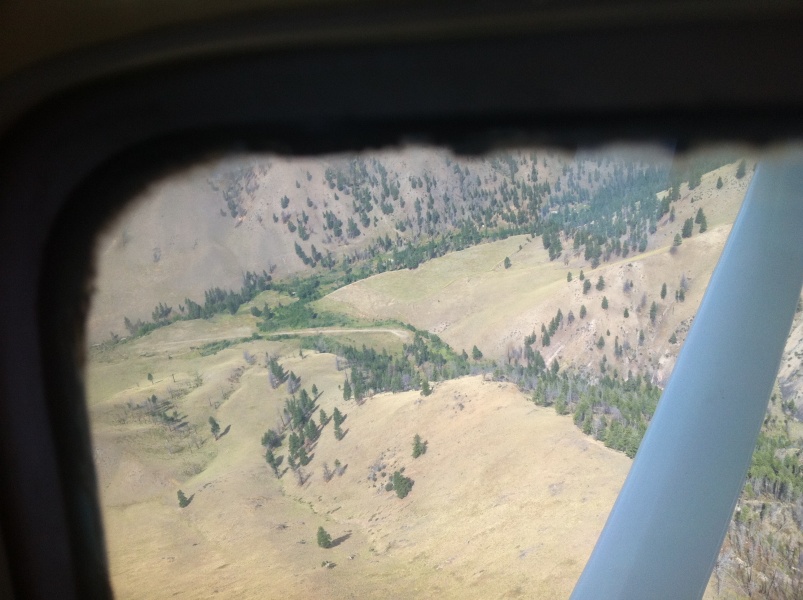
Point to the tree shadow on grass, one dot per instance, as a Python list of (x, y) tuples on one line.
[(225, 431), (340, 540)]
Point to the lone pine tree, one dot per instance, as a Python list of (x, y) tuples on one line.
[(324, 539), (215, 427), (419, 447)]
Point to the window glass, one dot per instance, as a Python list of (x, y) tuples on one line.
[(408, 373)]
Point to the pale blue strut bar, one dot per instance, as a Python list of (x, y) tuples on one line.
[(663, 535)]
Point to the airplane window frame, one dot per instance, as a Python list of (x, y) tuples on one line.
[(76, 155)]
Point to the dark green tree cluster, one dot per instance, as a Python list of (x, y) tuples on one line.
[(426, 358), (298, 411), (401, 484), (216, 300), (554, 324), (614, 411)]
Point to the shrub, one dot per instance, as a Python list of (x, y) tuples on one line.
[(271, 439)]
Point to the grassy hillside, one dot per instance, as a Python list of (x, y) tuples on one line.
[(479, 521), (359, 215), (469, 297)]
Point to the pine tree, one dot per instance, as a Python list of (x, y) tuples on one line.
[(311, 430), (600, 283), (719, 183), (677, 241), (272, 461), (507, 262), (583, 311), (627, 313), (586, 286), (425, 389), (346, 391), (582, 276), (569, 276), (653, 311), (215, 427), (740, 170), (663, 291), (688, 226), (475, 353), (419, 447), (338, 417), (605, 303), (183, 501), (324, 539)]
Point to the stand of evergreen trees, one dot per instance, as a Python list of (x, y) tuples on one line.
[(427, 358)]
